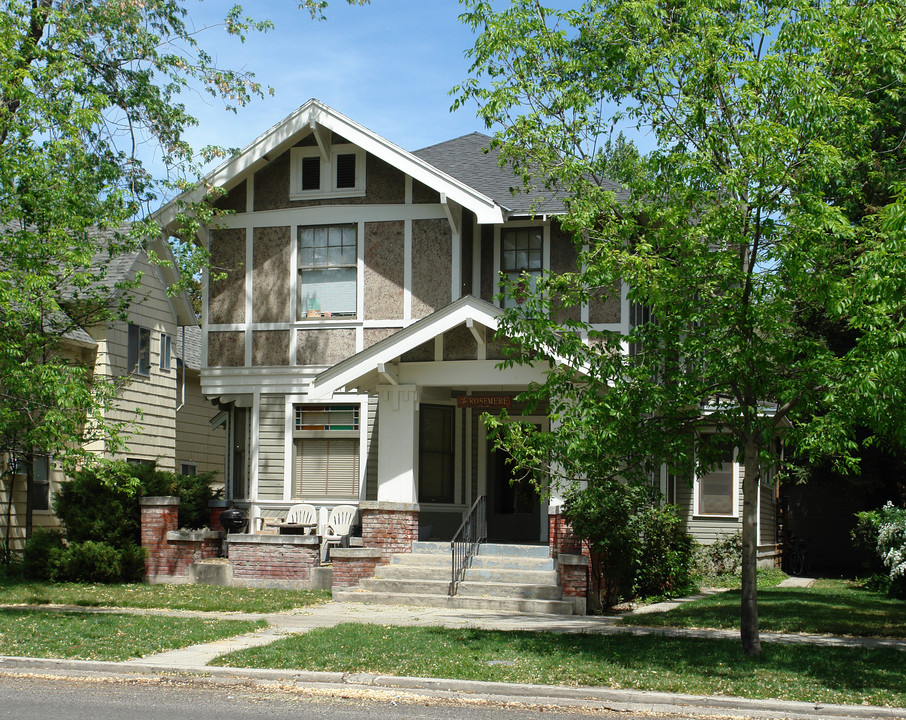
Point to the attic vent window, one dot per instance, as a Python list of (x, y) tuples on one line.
[(340, 173), (311, 173), (346, 170)]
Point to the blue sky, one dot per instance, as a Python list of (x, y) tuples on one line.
[(388, 65)]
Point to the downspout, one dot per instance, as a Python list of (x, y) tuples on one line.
[(182, 392)]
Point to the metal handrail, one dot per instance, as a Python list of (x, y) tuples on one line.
[(471, 533)]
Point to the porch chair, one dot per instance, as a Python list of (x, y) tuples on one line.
[(338, 529), (303, 513)]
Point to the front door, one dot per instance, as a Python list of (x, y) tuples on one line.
[(514, 508)]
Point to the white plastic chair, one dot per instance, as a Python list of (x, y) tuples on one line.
[(303, 514), (338, 529)]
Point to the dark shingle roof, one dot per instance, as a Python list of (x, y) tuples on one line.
[(188, 346), (469, 159)]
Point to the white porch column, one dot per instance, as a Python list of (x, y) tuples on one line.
[(397, 443)]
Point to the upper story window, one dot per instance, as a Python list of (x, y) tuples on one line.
[(138, 358), (166, 348), (340, 174), (327, 271), (521, 258)]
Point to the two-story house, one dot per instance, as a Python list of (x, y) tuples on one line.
[(350, 334)]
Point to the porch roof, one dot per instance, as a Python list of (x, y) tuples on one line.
[(373, 360)]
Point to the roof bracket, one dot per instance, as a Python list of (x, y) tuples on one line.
[(448, 211), (322, 145), (390, 373), (479, 338)]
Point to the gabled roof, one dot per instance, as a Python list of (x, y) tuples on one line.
[(300, 123), (471, 159)]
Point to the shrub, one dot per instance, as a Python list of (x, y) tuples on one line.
[(722, 557), (42, 553), (637, 547), (664, 557), (89, 561), (886, 526), (101, 506)]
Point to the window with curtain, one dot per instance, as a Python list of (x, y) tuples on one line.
[(326, 452)]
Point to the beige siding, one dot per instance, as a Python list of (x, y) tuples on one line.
[(371, 476), (196, 442), (271, 447), (768, 516), (146, 404)]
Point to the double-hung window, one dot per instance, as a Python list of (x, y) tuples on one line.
[(327, 271), (521, 259), (139, 350), (716, 492), (326, 452)]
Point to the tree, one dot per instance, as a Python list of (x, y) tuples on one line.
[(87, 89), (735, 232)]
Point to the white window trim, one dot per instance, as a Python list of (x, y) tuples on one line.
[(696, 512), (290, 401), (296, 284), (166, 348), (545, 227), (328, 187)]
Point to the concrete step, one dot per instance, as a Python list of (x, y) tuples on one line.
[(509, 575), (514, 550), (543, 607), (403, 586), (469, 588), (426, 546), (512, 562), (399, 571)]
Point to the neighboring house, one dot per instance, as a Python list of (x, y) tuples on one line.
[(169, 422), (351, 341)]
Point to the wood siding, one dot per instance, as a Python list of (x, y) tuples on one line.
[(271, 447)]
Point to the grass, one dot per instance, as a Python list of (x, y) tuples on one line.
[(208, 598), (833, 607), (89, 636), (682, 665), (767, 578)]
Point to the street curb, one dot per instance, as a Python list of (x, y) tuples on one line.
[(458, 688)]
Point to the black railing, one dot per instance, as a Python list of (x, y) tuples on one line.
[(471, 533)]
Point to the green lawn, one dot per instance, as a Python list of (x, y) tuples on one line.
[(208, 598), (833, 607), (790, 672), (96, 636)]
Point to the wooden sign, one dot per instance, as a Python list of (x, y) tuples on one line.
[(484, 401)]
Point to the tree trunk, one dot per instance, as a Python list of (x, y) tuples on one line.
[(751, 643)]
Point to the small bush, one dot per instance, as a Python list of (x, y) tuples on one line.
[(720, 558), (42, 553), (132, 563), (89, 561), (664, 556)]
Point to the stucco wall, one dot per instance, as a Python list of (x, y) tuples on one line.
[(432, 266), (564, 258), (270, 347), (384, 258), (375, 335), (271, 252), (325, 346), (383, 184), (234, 200), (226, 349), (459, 344), (226, 302)]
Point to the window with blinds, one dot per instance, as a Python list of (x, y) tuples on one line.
[(326, 452), (327, 271)]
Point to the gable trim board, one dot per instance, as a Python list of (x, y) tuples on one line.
[(286, 133)]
